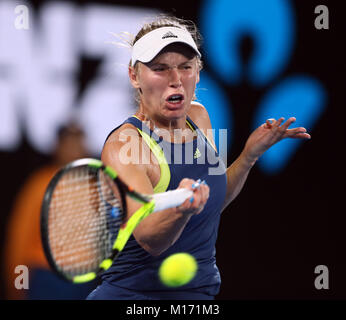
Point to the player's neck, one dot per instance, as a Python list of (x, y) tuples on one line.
[(155, 122), (174, 131)]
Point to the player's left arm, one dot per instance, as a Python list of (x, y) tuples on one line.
[(260, 140)]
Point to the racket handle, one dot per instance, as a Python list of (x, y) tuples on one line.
[(171, 199)]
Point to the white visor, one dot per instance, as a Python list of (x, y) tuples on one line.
[(147, 47)]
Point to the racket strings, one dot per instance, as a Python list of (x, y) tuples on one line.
[(85, 216)]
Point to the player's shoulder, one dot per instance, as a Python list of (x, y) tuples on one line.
[(122, 133), (122, 150), (199, 115), (126, 134), (197, 106)]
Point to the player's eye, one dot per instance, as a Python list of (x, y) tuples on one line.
[(186, 67), (158, 68)]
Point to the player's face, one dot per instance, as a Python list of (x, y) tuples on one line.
[(168, 83)]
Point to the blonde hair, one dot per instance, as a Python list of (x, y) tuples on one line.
[(168, 21)]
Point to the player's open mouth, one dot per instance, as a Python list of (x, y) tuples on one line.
[(175, 99)]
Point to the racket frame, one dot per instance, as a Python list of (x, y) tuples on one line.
[(123, 190)]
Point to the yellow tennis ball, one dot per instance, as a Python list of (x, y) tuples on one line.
[(178, 269)]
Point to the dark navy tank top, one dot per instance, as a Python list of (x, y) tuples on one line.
[(135, 269)]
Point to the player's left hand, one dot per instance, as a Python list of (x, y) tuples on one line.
[(269, 133)]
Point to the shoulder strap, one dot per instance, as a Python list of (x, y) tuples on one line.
[(193, 126)]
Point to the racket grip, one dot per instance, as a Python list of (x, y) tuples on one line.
[(171, 199)]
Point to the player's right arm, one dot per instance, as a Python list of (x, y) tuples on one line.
[(123, 151)]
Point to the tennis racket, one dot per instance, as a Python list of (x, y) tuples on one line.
[(83, 218)]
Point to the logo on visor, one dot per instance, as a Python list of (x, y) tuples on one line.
[(169, 34)]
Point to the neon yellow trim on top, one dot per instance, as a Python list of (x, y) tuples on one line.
[(165, 176), (190, 125)]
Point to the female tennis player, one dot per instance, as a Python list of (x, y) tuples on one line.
[(165, 146)]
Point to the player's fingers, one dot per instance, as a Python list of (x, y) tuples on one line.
[(278, 123), (196, 185), (189, 184), (186, 183), (269, 123), (194, 202), (285, 126), (300, 132), (185, 207), (200, 197), (302, 136), (293, 131)]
